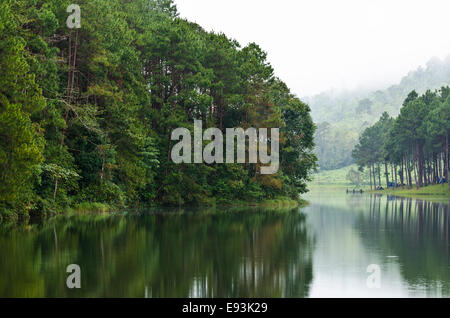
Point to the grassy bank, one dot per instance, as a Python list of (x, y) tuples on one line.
[(284, 202), (90, 207), (437, 190), (98, 208)]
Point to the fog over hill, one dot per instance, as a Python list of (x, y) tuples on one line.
[(342, 116)]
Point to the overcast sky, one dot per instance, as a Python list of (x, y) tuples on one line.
[(317, 45)]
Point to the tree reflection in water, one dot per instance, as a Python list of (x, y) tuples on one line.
[(416, 232), (258, 253)]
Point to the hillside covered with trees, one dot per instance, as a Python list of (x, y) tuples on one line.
[(86, 114), (412, 149), (342, 117)]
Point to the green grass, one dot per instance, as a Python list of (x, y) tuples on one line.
[(337, 180), (278, 203), (333, 177), (433, 190), (90, 207)]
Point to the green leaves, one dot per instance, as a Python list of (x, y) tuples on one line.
[(58, 172), (21, 142), (20, 151), (87, 114)]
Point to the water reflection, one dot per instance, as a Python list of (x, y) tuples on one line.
[(416, 233), (256, 253), (323, 250), (407, 238)]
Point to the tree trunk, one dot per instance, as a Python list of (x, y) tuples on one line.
[(408, 168), (386, 173), (435, 167), (430, 170), (395, 169), (446, 160), (425, 173), (379, 174), (373, 174), (402, 176), (419, 161), (74, 63), (68, 93), (415, 175), (56, 189)]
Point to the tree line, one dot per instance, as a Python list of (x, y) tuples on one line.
[(341, 117), (413, 148), (86, 114)]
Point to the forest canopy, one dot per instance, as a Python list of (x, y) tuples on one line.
[(86, 113)]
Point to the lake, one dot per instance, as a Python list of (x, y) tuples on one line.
[(322, 250)]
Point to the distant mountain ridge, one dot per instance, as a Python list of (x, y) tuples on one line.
[(341, 117)]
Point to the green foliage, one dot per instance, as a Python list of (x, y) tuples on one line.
[(86, 114), (21, 142)]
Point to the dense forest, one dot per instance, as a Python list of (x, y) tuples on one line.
[(86, 114), (342, 117), (413, 148)]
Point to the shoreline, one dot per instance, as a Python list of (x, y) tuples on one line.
[(433, 192), (104, 208), (436, 191), (96, 208)]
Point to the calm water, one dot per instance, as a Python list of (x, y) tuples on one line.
[(322, 250)]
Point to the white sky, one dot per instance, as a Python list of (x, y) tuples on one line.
[(317, 45)]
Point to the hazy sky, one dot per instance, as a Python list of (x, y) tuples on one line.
[(317, 45)]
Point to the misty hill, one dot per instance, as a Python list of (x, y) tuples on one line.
[(341, 117)]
